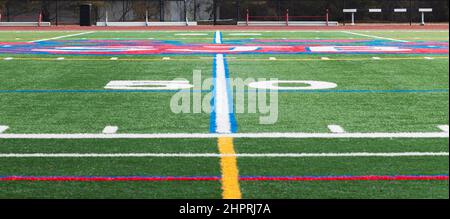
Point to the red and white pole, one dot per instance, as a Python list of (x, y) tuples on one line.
[(287, 17), (39, 19), (247, 17)]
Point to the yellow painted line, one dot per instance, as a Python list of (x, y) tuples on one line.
[(229, 169), (231, 59)]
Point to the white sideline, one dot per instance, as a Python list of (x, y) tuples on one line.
[(234, 135), (3, 128), (373, 36), (59, 37), (193, 155), (110, 130), (336, 129)]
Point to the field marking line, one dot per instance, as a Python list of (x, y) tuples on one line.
[(191, 34), (229, 169), (110, 130), (428, 58), (373, 36), (376, 58), (60, 37), (221, 123), (60, 58), (336, 129), (221, 98), (218, 37), (244, 34), (3, 128), (444, 128), (8, 58), (226, 163), (222, 117), (215, 178), (300, 135), (229, 58)]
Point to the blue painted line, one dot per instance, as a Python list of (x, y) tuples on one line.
[(233, 121), (212, 120), (213, 117)]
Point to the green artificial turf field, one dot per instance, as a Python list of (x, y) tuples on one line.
[(394, 108)]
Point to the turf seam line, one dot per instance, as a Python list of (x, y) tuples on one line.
[(223, 155), (298, 135)]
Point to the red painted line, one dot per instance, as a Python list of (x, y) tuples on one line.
[(217, 178), (105, 179), (346, 178)]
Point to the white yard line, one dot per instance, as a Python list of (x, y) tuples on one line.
[(194, 155), (244, 34), (373, 36), (191, 34), (60, 37), (234, 135)]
